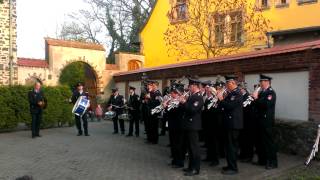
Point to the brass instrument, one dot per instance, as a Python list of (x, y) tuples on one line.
[(160, 108), (174, 103), (213, 99), (314, 148), (250, 99)]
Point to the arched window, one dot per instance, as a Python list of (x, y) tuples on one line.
[(133, 65)]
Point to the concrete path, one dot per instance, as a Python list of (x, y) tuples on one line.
[(61, 155)]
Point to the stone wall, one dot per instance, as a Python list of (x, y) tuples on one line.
[(5, 42), (294, 137)]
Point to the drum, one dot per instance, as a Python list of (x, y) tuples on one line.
[(124, 116), (109, 115), (81, 106)]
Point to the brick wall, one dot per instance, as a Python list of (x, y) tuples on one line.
[(4, 43), (307, 60)]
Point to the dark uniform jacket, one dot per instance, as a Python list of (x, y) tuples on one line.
[(232, 110), (154, 101), (117, 101), (34, 99), (76, 94), (265, 107), (192, 112), (134, 102), (174, 117), (208, 115), (248, 114)]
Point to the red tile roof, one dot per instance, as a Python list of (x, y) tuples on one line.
[(74, 44), (28, 62), (246, 55)]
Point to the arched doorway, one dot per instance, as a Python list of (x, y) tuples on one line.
[(133, 65), (81, 72)]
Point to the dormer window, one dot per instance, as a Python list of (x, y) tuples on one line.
[(179, 11)]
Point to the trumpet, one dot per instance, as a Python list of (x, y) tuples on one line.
[(213, 99), (250, 99), (174, 103), (314, 148)]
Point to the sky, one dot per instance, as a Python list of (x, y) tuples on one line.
[(37, 19)]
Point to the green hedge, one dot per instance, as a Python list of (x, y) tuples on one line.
[(15, 107)]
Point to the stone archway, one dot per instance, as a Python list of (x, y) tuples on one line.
[(79, 71)]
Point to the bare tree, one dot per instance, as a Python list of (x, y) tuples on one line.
[(120, 19), (213, 28)]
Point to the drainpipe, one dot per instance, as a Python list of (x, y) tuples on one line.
[(10, 44)]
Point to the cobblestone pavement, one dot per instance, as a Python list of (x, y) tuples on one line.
[(61, 155)]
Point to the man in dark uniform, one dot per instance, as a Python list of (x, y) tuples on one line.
[(76, 94), (246, 138), (175, 126), (265, 102), (202, 133), (134, 111), (37, 102), (153, 100), (164, 119), (231, 105), (115, 103), (211, 126), (192, 108)]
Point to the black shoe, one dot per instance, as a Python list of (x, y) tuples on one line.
[(33, 137), (137, 135), (122, 133), (192, 173), (38, 135), (206, 160), (225, 168), (186, 169), (175, 166), (128, 135), (214, 163), (259, 163), (271, 165), (115, 133), (229, 172), (79, 134), (246, 160), (87, 134)]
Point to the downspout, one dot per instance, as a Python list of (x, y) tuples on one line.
[(10, 44)]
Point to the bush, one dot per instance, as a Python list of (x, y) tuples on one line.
[(15, 107)]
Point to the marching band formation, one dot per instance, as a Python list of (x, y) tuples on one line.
[(232, 122)]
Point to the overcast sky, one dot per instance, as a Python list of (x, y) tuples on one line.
[(37, 19)]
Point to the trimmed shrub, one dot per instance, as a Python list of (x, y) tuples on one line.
[(15, 107)]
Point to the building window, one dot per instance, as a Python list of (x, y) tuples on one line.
[(133, 65), (179, 11), (228, 28), (301, 2), (263, 4), (282, 3)]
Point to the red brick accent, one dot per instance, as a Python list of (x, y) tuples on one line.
[(27, 62)]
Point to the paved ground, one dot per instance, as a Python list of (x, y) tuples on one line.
[(61, 155)]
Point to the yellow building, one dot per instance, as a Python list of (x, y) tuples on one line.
[(284, 16)]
